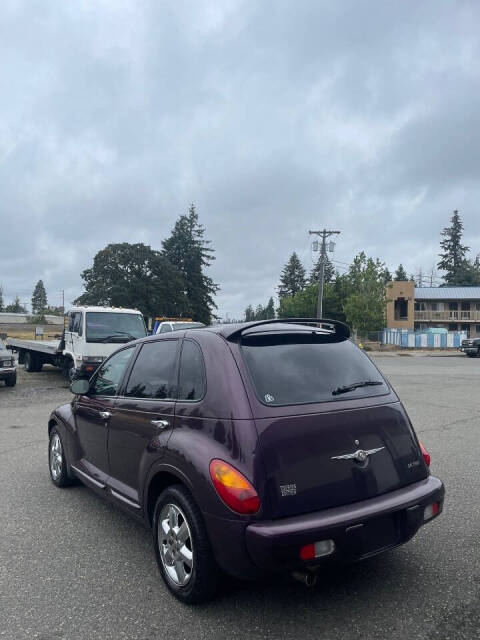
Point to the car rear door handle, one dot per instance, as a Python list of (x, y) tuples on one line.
[(105, 414), (160, 424)]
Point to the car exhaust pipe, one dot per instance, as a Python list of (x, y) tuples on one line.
[(307, 578)]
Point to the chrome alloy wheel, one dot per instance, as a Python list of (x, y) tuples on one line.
[(175, 544), (56, 457)]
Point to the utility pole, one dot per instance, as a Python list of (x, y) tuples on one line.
[(63, 301), (324, 234)]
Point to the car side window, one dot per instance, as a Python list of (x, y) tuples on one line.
[(77, 323), (71, 319), (153, 374), (110, 374), (192, 384), (165, 327)]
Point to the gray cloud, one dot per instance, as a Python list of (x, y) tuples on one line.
[(273, 117)]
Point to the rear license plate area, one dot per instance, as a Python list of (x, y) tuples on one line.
[(380, 533)]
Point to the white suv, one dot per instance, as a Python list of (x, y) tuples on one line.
[(176, 325)]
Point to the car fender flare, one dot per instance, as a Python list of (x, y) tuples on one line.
[(158, 468), (66, 432)]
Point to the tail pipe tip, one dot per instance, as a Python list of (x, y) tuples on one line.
[(307, 578)]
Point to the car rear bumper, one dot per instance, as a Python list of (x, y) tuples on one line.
[(469, 349), (358, 530)]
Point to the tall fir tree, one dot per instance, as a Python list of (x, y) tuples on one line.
[(387, 276), (270, 310), (328, 272), (1, 299), (259, 312), (400, 274), (187, 250), (39, 298), (453, 253), (292, 278), (249, 313)]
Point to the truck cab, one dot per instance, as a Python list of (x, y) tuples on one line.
[(93, 333), (90, 335)]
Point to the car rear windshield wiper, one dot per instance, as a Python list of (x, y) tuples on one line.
[(355, 385)]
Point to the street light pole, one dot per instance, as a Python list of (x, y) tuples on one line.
[(324, 235)]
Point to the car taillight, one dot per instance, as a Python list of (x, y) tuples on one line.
[(425, 454), (233, 488)]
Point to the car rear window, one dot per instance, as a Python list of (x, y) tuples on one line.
[(306, 368)]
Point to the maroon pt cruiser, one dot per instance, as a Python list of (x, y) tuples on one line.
[(271, 446)]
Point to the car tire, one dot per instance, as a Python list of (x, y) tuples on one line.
[(57, 462), (69, 370), (30, 362), (187, 563), (11, 381)]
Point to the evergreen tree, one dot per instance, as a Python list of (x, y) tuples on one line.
[(190, 254), (453, 256), (292, 278), (270, 310), (39, 298), (387, 276), (1, 298), (328, 271), (249, 313), (259, 312), (401, 274)]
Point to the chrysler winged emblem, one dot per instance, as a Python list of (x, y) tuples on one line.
[(360, 455)]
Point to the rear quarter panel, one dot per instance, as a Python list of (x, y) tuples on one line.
[(218, 426)]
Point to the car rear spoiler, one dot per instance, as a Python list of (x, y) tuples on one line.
[(340, 329)]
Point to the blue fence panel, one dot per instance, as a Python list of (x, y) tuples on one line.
[(404, 338)]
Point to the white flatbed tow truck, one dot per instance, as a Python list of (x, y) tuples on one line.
[(90, 335)]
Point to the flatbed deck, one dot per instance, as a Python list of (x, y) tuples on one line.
[(50, 347)]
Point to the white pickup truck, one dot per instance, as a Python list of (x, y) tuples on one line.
[(90, 335)]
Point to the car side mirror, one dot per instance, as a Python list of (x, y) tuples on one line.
[(80, 387)]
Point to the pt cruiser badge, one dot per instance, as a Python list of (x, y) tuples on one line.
[(359, 456)]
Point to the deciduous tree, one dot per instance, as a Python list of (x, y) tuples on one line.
[(365, 305), (134, 276), (15, 307)]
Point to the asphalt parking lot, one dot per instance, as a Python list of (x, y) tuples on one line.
[(72, 567)]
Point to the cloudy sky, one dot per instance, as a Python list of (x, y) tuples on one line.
[(274, 117)]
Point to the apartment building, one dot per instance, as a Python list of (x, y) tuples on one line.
[(421, 308)]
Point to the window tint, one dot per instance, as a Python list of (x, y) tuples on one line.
[(153, 372), (192, 375), (106, 326), (164, 328), (110, 374), (298, 369), (77, 323)]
